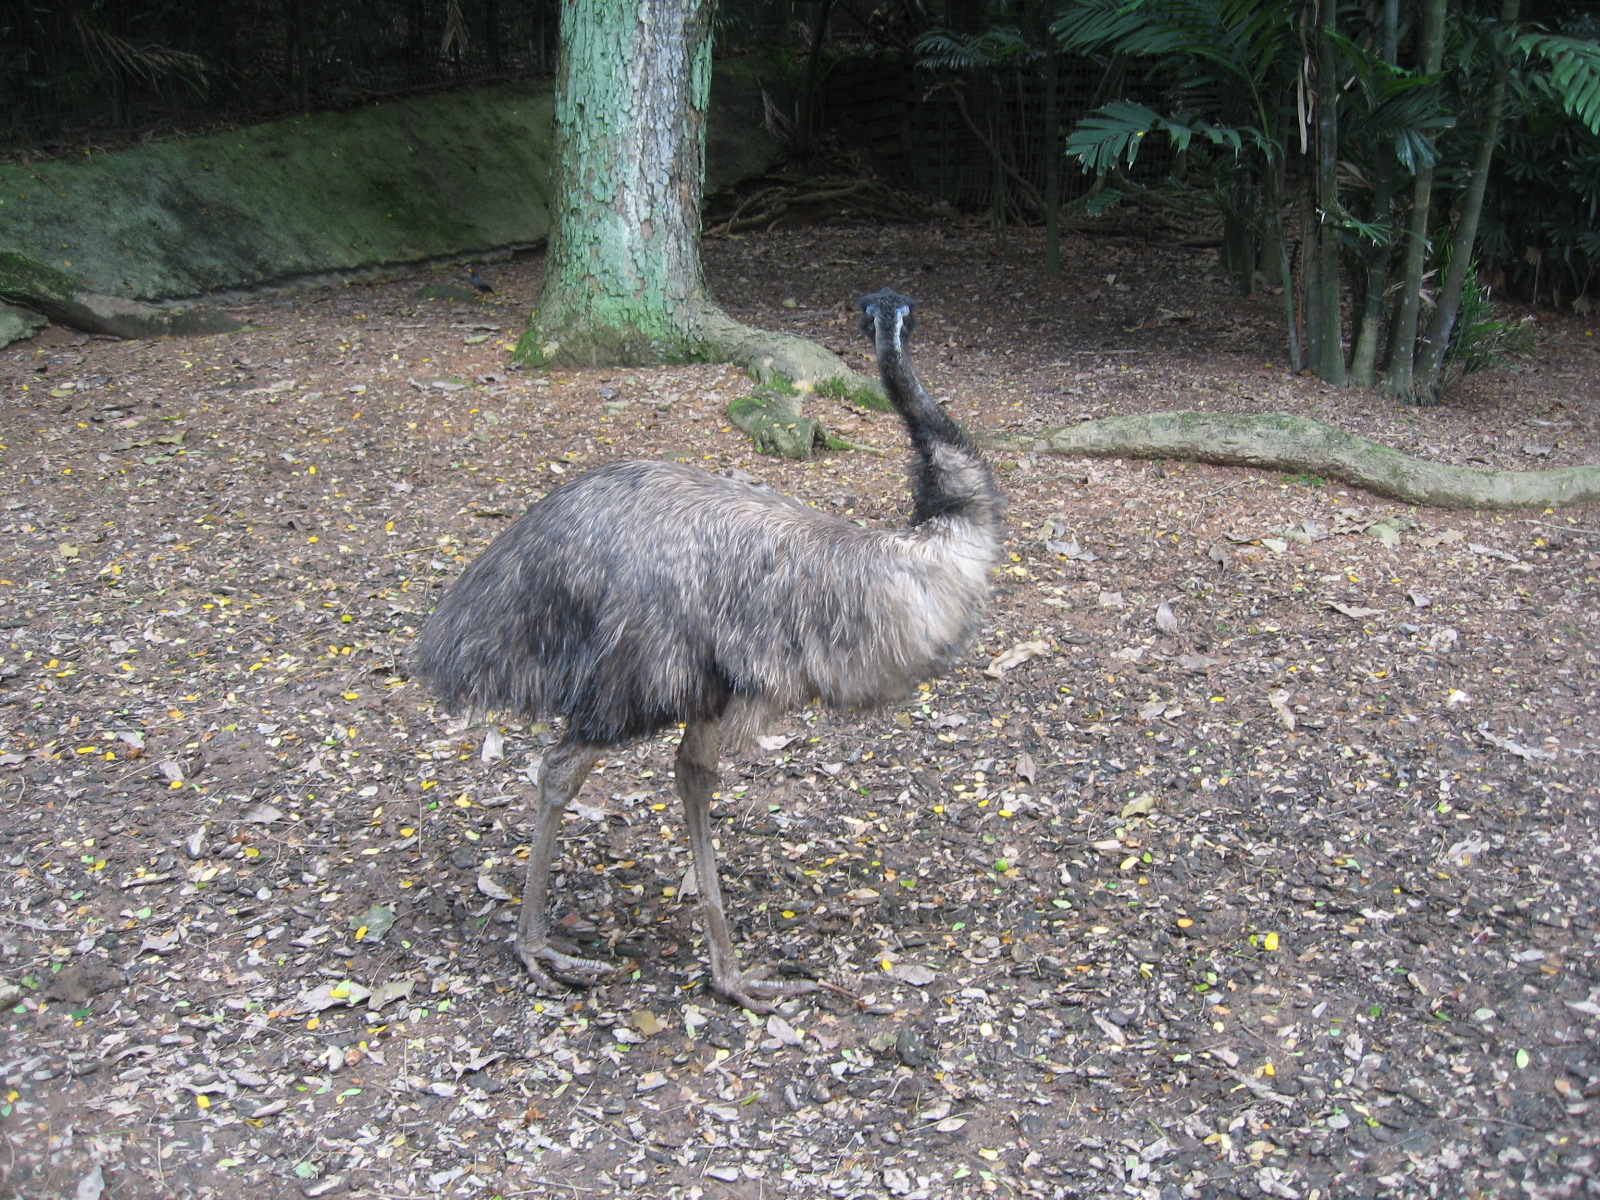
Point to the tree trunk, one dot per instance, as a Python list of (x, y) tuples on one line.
[(1369, 325), (1291, 309), (1430, 361), (1240, 253), (623, 282), (1374, 285), (1329, 331), (1400, 371)]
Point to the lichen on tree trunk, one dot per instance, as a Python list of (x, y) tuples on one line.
[(1280, 442), (623, 281)]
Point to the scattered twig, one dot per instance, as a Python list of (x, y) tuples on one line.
[(1564, 528), (1262, 1091), (38, 926)]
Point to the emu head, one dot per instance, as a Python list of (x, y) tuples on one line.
[(887, 314)]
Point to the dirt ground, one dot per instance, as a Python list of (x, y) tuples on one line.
[(1287, 888)]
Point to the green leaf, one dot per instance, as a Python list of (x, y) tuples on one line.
[(1110, 134), (999, 47), (1574, 65)]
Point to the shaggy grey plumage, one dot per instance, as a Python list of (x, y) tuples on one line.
[(643, 595)]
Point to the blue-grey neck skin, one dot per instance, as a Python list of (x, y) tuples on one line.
[(948, 475)]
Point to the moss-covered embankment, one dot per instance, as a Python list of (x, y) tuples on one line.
[(124, 242)]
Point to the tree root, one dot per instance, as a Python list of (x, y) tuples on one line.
[(784, 366), (767, 355), (1279, 442)]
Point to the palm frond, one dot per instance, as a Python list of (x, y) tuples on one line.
[(1113, 134), (149, 61), (940, 49), (1574, 65)]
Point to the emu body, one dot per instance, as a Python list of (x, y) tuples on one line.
[(644, 595)]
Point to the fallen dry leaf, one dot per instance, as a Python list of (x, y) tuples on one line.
[(1014, 657)]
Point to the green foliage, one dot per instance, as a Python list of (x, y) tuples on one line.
[(941, 50), (1480, 338), (1237, 77), (1389, 109), (1573, 76), (1541, 223), (1541, 226), (1114, 133), (1229, 60), (1240, 37)]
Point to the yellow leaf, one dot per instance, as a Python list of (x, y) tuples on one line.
[(1270, 941)]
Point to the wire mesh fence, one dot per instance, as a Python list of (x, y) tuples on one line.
[(975, 140), (80, 73), (85, 71)]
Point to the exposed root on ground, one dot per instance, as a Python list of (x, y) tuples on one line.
[(1279, 442)]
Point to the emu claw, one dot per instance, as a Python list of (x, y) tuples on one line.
[(754, 990), (554, 971)]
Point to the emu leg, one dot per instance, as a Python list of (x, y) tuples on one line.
[(565, 769), (697, 775)]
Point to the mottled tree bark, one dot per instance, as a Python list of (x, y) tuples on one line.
[(623, 282), (1326, 333), (1447, 306), (1398, 376), (1375, 282)]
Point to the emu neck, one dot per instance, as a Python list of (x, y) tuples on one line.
[(949, 477)]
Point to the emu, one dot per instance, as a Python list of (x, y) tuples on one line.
[(642, 595)]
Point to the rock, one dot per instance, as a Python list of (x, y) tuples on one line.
[(82, 981), (18, 323)]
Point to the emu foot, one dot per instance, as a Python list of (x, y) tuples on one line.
[(554, 972), (753, 989)]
